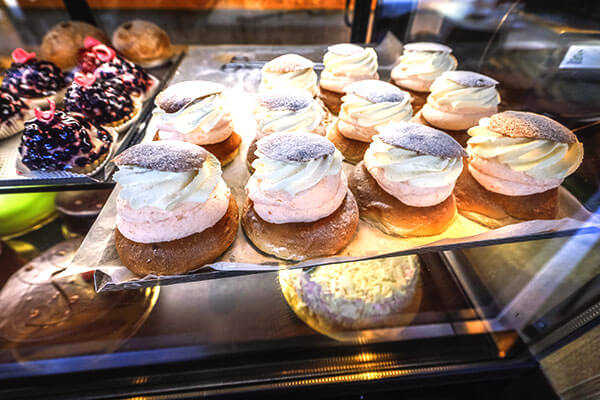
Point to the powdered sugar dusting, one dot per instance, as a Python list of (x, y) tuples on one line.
[(164, 155), (377, 91), (177, 96), (530, 125), (288, 63), (421, 139), (470, 79), (427, 46), (291, 99), (297, 146)]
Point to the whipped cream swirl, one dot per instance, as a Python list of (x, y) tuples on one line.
[(307, 119), (449, 95), (293, 177), (423, 66), (304, 79), (344, 67), (420, 170), (541, 159), (143, 187)]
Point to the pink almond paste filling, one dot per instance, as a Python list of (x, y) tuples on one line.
[(412, 195), (153, 225), (219, 133), (308, 205), (500, 178)]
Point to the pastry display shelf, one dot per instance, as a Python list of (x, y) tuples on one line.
[(13, 182)]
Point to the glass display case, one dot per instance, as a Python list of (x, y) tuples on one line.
[(497, 309)]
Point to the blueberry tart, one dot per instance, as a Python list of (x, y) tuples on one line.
[(59, 141), (101, 103), (33, 79), (13, 114)]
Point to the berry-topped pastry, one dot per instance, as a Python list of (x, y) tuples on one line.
[(58, 141), (13, 113), (34, 79), (102, 103), (105, 63)]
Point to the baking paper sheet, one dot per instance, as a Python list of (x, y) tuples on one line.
[(98, 251)]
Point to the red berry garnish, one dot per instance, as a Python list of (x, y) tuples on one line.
[(104, 53), (21, 56), (90, 42), (84, 79), (46, 116)]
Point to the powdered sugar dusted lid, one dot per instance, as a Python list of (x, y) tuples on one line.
[(164, 155), (179, 95), (376, 91), (345, 49), (295, 147), (421, 139), (470, 79), (428, 46), (288, 63), (530, 125), (291, 99)]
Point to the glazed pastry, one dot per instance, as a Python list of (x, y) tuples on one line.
[(62, 43), (101, 103), (298, 204), (106, 64), (13, 114), (358, 295), (286, 110), (58, 141), (459, 99), (289, 71), (367, 106), (404, 185), (144, 43), (35, 80), (174, 211), (195, 112), (517, 161), (344, 64), (420, 64)]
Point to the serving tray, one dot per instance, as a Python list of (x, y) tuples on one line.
[(212, 63), (17, 180)]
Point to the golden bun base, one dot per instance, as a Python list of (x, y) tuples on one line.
[(299, 241), (331, 99), (494, 209), (181, 255), (460, 136), (352, 150), (250, 156), (392, 216), (455, 122), (225, 151)]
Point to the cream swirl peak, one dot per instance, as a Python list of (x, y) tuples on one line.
[(363, 111), (463, 90), (298, 178), (347, 63), (420, 65), (289, 70), (544, 160), (147, 187)]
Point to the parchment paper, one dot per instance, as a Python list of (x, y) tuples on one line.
[(97, 251)]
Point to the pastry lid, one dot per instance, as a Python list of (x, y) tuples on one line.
[(179, 95), (377, 91), (295, 147)]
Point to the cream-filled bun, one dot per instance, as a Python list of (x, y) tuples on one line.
[(174, 211), (459, 99), (519, 153), (143, 42), (298, 178), (347, 63), (421, 63), (288, 110), (289, 71), (193, 111), (298, 204), (371, 104), (416, 164)]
